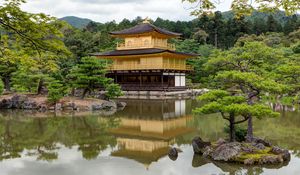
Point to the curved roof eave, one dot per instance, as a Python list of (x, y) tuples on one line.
[(141, 52), (145, 28)]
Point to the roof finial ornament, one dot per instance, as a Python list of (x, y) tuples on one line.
[(146, 20)]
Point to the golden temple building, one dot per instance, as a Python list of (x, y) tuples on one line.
[(146, 61)]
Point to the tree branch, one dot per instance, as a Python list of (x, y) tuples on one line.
[(241, 121)]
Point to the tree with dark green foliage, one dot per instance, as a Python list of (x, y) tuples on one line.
[(113, 90), (56, 91), (248, 71), (289, 73), (89, 75), (200, 75), (9, 58), (291, 24), (273, 25), (233, 108), (217, 27), (259, 26)]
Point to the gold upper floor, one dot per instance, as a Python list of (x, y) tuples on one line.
[(150, 63), (144, 42)]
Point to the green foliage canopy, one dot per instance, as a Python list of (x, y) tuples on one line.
[(56, 91), (243, 76), (90, 74), (39, 31)]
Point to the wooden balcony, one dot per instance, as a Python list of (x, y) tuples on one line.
[(116, 67), (144, 45)]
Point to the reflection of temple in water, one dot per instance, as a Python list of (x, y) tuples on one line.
[(148, 128)]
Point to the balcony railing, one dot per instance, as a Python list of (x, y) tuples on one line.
[(151, 67), (143, 45)]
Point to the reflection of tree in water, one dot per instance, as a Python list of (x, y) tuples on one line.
[(283, 131), (42, 136), (234, 169)]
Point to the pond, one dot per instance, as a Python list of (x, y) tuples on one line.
[(134, 141)]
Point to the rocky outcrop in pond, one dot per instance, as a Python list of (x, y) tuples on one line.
[(173, 153), (249, 153)]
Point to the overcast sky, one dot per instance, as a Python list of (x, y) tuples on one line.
[(107, 10)]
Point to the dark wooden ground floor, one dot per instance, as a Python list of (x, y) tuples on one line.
[(149, 81)]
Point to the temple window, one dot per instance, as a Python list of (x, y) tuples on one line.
[(146, 43), (129, 43)]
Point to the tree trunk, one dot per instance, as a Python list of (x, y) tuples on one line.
[(249, 136), (7, 83), (232, 129), (73, 92), (40, 87), (84, 93), (216, 38)]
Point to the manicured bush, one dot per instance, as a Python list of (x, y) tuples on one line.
[(113, 90), (56, 91)]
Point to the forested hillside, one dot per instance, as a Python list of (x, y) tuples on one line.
[(221, 30), (76, 21)]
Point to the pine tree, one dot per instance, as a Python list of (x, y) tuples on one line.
[(259, 26), (248, 71), (291, 24), (56, 91), (89, 75), (233, 108), (273, 25)]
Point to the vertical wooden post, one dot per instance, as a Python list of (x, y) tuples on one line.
[(168, 81), (162, 79), (140, 79)]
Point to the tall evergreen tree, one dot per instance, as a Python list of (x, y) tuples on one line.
[(291, 24), (259, 26), (273, 25)]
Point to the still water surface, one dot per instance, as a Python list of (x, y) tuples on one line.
[(134, 141)]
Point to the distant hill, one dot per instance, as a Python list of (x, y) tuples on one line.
[(76, 21), (278, 16)]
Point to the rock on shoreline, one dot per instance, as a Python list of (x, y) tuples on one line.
[(40, 103), (248, 153)]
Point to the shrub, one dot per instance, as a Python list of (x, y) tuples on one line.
[(56, 91), (113, 90), (240, 133)]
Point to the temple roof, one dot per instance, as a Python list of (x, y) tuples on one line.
[(143, 157), (145, 28), (141, 52)]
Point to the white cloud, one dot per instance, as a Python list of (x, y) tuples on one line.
[(108, 10)]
